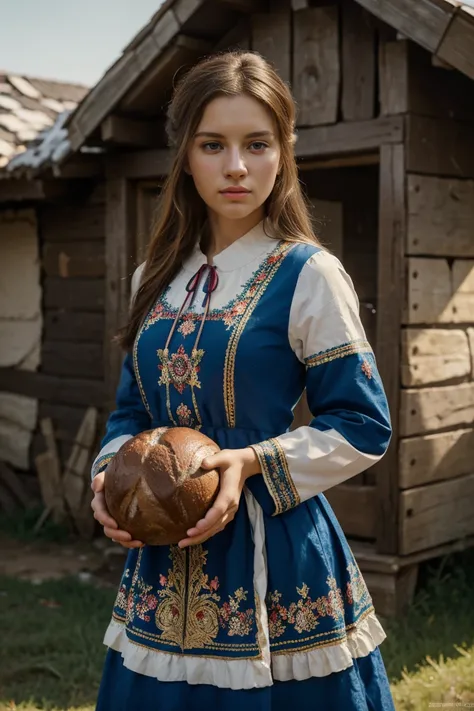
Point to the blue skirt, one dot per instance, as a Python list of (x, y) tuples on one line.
[(362, 687)]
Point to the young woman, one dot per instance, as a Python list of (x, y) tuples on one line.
[(236, 310)]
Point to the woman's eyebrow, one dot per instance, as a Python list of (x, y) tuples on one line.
[(254, 134)]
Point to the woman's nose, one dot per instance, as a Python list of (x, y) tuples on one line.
[(235, 162)]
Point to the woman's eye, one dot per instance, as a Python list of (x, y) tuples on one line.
[(213, 145)]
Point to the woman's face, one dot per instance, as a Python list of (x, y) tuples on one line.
[(223, 154)]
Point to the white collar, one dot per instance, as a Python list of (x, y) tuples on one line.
[(245, 249)]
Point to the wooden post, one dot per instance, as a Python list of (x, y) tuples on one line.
[(390, 301), (119, 252)]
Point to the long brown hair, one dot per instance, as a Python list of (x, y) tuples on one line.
[(181, 212)]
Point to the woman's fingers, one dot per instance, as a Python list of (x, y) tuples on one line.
[(100, 511)]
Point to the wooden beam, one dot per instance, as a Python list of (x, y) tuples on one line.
[(423, 21), (131, 132), (350, 137), (119, 255), (358, 63), (138, 165), (439, 147), (23, 189), (457, 46), (151, 89), (390, 298), (70, 391), (393, 77)]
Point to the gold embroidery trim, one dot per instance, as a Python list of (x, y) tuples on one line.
[(231, 351), (347, 349), (276, 474)]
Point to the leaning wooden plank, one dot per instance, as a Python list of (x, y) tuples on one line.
[(12, 482), (433, 514), (439, 291), (74, 481), (434, 355), (345, 137), (435, 457), (440, 216), (50, 483), (316, 66), (431, 409)]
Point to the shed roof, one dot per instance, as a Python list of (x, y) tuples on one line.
[(30, 110), (443, 27)]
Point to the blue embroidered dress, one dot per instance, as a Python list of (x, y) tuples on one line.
[(273, 610)]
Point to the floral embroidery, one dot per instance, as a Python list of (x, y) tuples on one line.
[(188, 612), (304, 615), (357, 593), (185, 416), (180, 369), (122, 595), (347, 349), (146, 601), (187, 327), (277, 475), (239, 623), (366, 368)]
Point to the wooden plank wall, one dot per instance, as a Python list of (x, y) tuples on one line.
[(436, 422), (72, 238)]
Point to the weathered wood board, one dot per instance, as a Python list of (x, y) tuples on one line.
[(441, 147), (433, 514), (434, 355), (409, 83), (358, 63), (76, 326), (74, 294), (271, 37), (82, 360), (432, 409), (71, 223), (435, 457), (440, 216), (355, 508), (316, 65), (74, 259), (439, 291), (456, 47)]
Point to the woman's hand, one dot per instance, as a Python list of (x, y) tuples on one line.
[(236, 466), (102, 515)]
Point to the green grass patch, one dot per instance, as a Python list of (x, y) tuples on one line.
[(51, 653)]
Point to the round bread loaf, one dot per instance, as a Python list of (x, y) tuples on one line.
[(154, 486)]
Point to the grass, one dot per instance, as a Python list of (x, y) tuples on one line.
[(51, 653)]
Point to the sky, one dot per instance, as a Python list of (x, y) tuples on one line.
[(68, 40)]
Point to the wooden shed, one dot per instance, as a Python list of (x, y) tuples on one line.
[(50, 353), (385, 149)]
